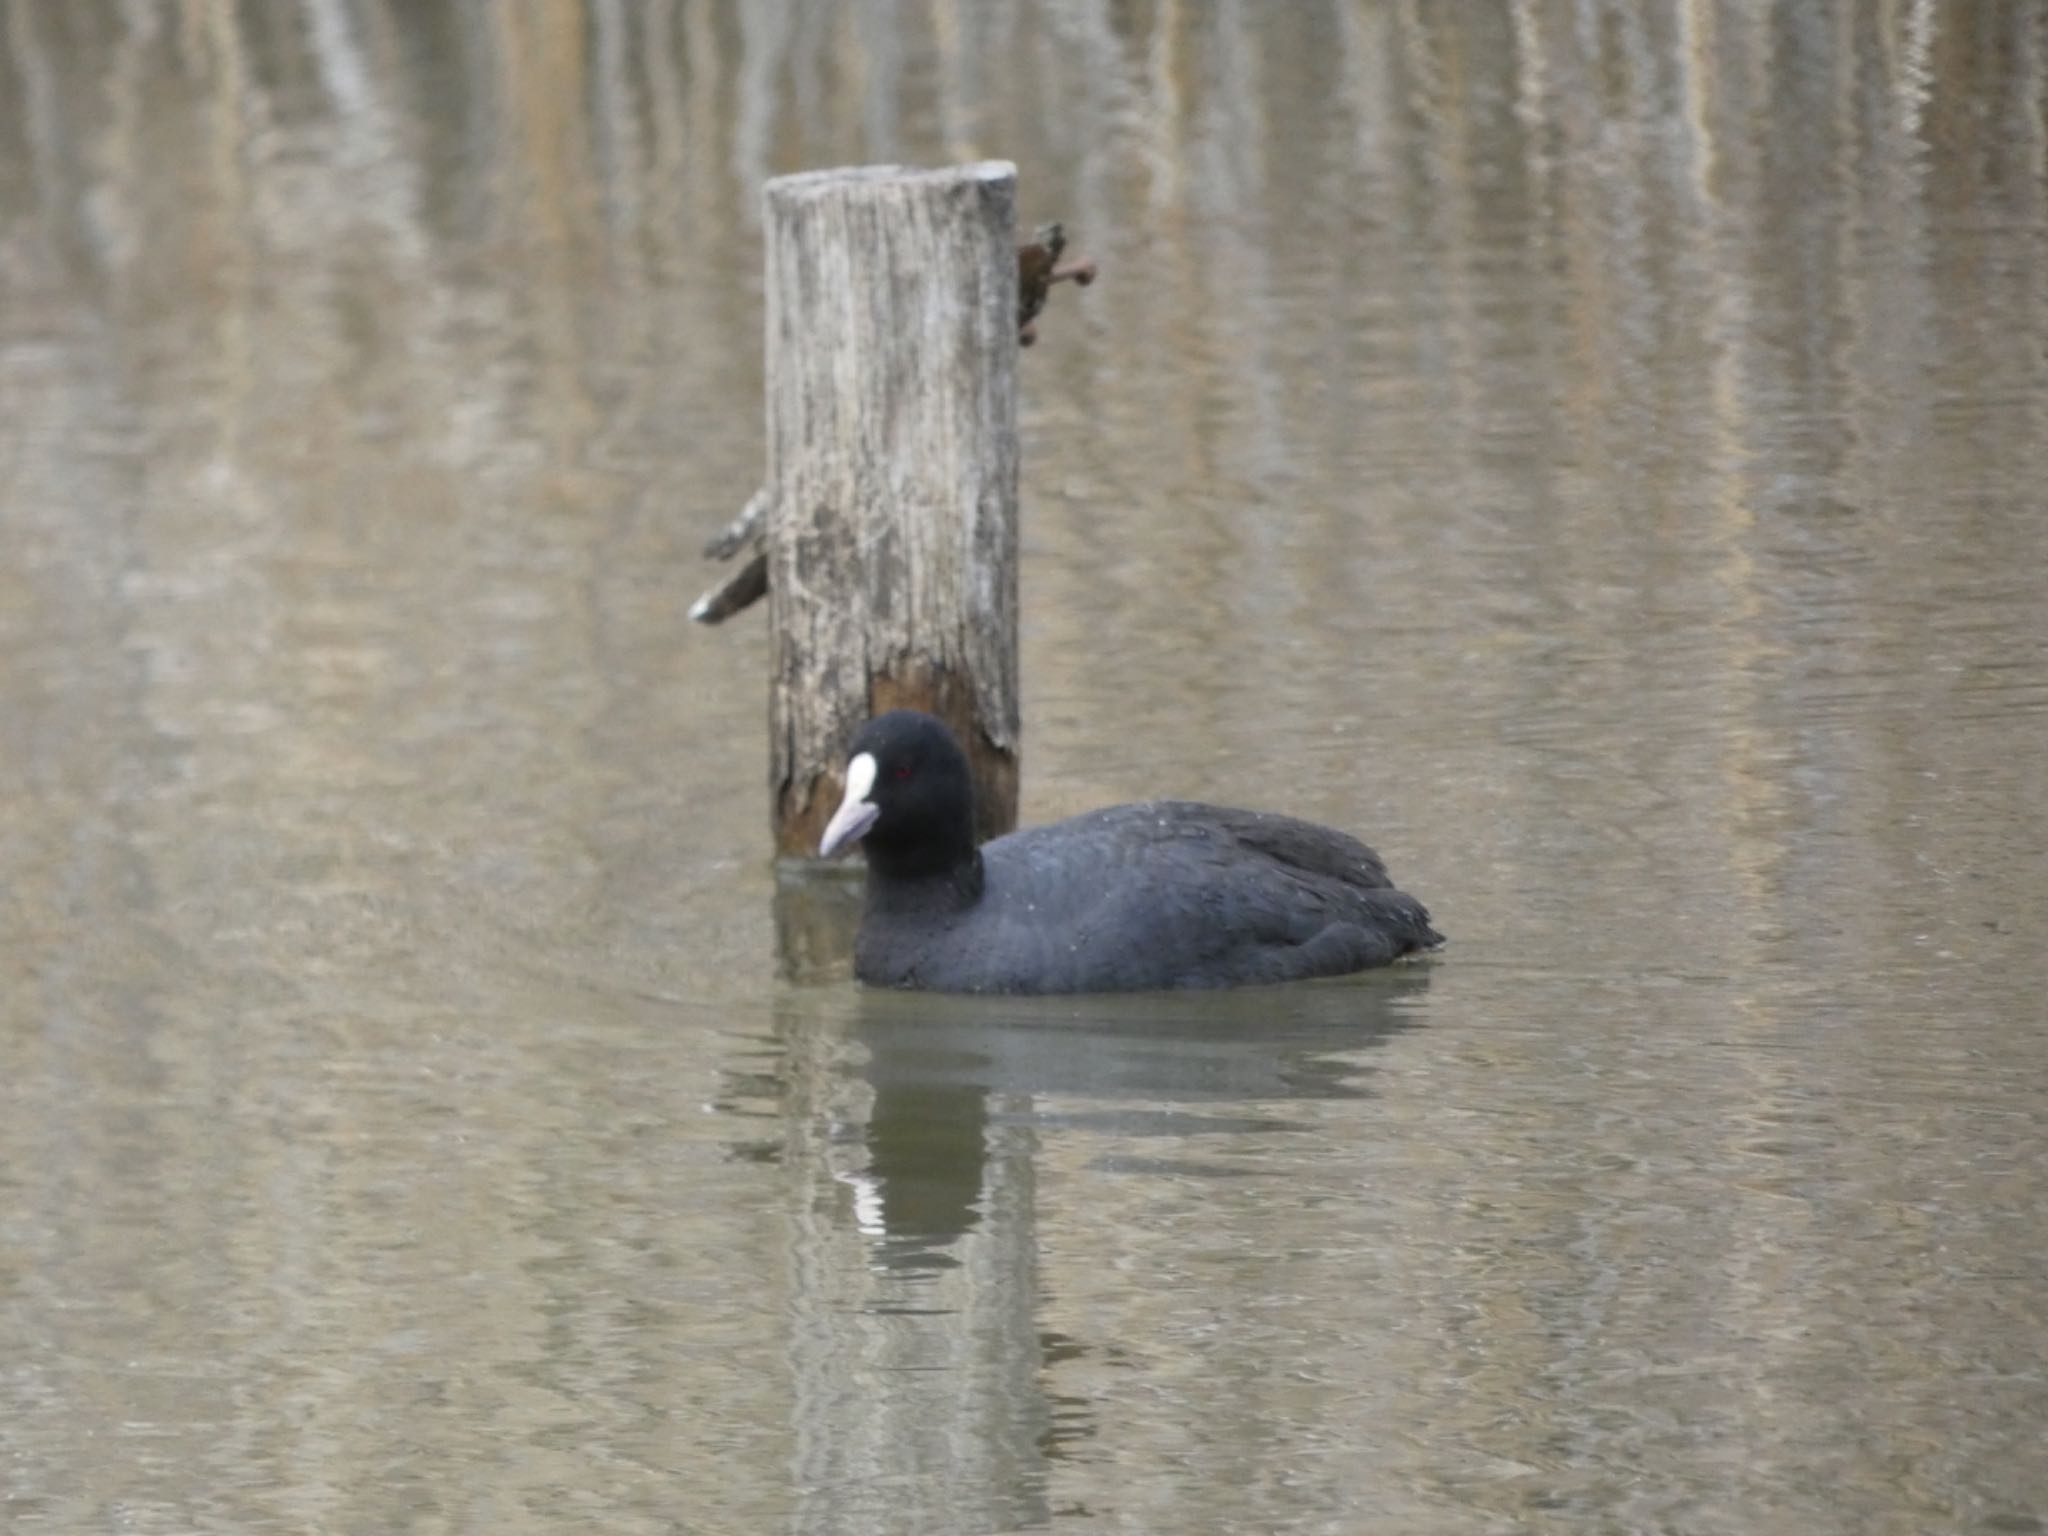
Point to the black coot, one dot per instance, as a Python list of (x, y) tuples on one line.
[(1163, 894)]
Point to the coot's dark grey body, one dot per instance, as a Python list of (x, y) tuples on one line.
[(1157, 895)]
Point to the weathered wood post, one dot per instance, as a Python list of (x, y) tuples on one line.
[(890, 508)]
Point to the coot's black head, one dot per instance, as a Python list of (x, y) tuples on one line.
[(909, 800)]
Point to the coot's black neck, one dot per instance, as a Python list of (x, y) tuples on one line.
[(921, 884)]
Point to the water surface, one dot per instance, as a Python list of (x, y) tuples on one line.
[(1593, 450)]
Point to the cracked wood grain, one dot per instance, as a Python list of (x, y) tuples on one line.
[(891, 524)]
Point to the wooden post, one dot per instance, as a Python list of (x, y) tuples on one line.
[(890, 513)]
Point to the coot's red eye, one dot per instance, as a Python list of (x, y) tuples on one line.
[(903, 770)]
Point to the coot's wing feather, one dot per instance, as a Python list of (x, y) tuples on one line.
[(1171, 893), (1301, 845)]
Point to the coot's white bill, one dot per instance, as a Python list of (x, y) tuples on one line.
[(856, 812)]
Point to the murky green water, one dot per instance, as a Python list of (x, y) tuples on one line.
[(1594, 450)]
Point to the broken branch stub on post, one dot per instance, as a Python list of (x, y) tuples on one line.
[(890, 527), (1039, 270)]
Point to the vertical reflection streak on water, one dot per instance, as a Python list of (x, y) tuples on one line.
[(1161, 107), (43, 120), (1232, 154), (1430, 198), (1244, 421), (959, 31), (819, 93), (1886, 348), (621, 396), (2026, 293), (1752, 1294), (1626, 226), (765, 28), (666, 62), (621, 173), (1440, 74), (912, 1331), (878, 50), (714, 201), (484, 174), (118, 147), (1754, 750), (237, 108)]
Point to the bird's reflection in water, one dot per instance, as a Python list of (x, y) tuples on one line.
[(922, 1357), (947, 1072), (952, 1076)]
